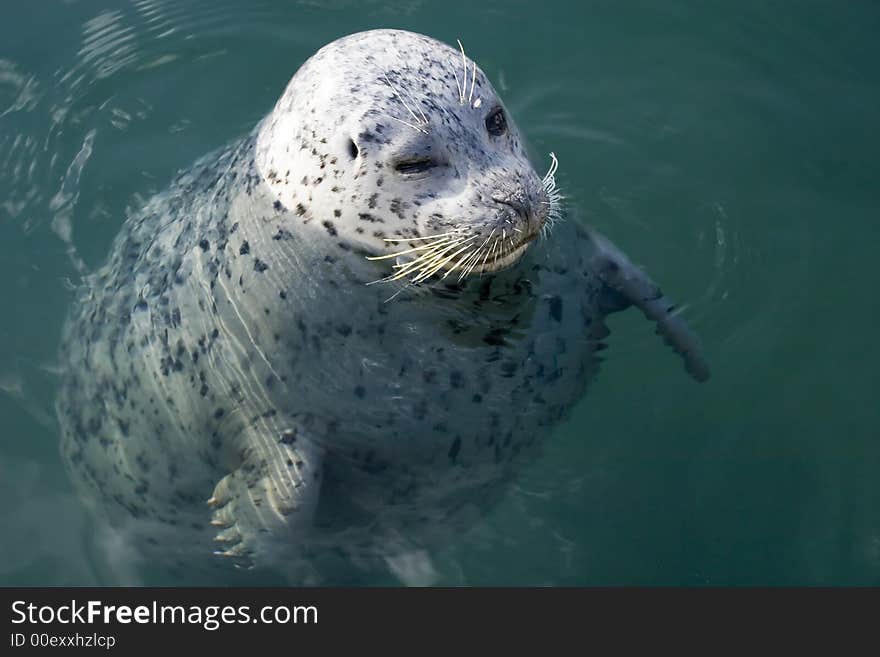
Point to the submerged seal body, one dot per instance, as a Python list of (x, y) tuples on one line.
[(339, 334)]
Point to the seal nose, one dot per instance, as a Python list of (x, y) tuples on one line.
[(519, 204), (513, 201)]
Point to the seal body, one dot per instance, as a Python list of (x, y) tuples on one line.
[(238, 391)]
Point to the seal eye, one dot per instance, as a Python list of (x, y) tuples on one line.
[(496, 124), (415, 165)]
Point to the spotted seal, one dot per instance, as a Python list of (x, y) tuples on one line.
[(339, 334)]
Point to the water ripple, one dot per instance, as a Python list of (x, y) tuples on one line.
[(55, 127)]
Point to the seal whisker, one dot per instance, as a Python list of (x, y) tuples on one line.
[(404, 270), (467, 255), (472, 262), (554, 197), (407, 123), (474, 253), (432, 258), (423, 262), (424, 116), (486, 257), (445, 246), (475, 264), (400, 98), (399, 290), (458, 84), (464, 63), (437, 267), (412, 99), (421, 237), (494, 248), (476, 256), (427, 260), (424, 257), (417, 264), (411, 250), (554, 165)]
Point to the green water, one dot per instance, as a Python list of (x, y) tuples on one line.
[(730, 148)]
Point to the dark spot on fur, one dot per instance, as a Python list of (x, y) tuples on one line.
[(556, 308), (495, 337), (455, 379), (508, 368), (455, 448)]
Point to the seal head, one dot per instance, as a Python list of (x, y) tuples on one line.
[(396, 144)]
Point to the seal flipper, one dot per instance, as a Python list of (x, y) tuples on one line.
[(413, 568), (266, 505), (632, 286)]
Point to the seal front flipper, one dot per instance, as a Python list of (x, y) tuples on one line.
[(264, 508), (634, 287)]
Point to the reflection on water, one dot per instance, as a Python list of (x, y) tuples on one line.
[(726, 150)]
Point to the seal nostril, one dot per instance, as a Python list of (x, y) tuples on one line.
[(517, 205), (353, 149)]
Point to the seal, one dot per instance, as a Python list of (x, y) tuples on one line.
[(339, 336)]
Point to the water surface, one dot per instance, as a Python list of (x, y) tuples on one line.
[(728, 147)]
